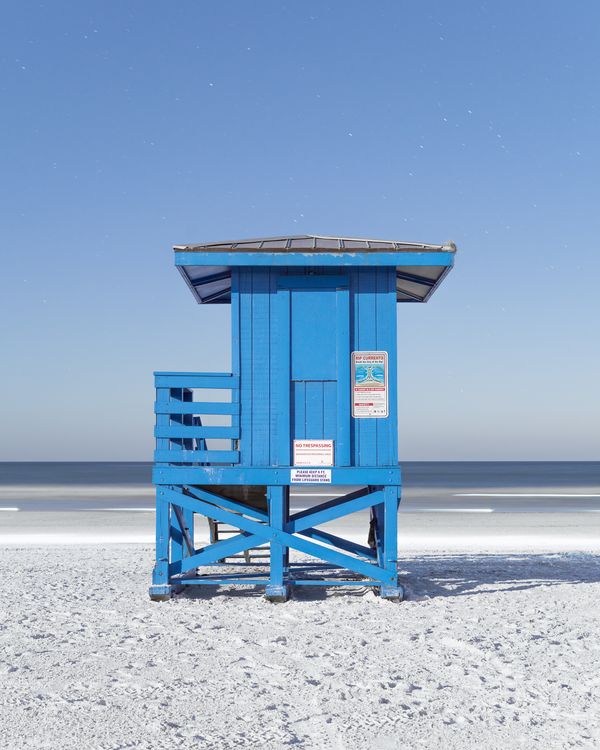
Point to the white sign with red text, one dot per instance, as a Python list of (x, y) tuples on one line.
[(313, 452)]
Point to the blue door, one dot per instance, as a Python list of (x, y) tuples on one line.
[(314, 312)]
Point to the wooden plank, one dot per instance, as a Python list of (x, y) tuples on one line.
[(330, 407), (387, 429), (160, 573), (367, 341), (349, 258), (189, 443), (174, 456), (196, 380), (183, 431), (313, 334), (332, 510), (204, 475), (163, 397), (281, 390), (314, 410), (299, 410), (314, 281), (277, 521), (246, 371), (227, 502), (349, 546), (261, 352), (176, 542), (342, 401), (195, 407)]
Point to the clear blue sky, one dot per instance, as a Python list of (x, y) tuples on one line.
[(132, 126)]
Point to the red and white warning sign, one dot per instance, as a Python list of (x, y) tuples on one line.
[(369, 384), (313, 452)]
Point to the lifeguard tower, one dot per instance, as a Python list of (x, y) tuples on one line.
[(311, 401)]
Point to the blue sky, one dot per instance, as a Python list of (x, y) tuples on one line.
[(132, 126)]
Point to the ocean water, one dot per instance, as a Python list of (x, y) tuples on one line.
[(479, 486)]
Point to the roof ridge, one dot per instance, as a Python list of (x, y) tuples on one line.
[(285, 239)]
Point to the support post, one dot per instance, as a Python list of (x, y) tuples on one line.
[(188, 515), (391, 589), (277, 588), (161, 590), (378, 522), (177, 541)]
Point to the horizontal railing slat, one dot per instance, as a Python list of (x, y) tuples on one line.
[(186, 431), (196, 407), (208, 374), (179, 457), (195, 380)]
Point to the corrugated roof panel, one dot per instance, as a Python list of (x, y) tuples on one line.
[(420, 290), (249, 245), (327, 243), (401, 297), (300, 243), (427, 272), (206, 290), (201, 272)]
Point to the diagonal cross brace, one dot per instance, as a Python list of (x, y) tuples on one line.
[(184, 530), (217, 551), (226, 547), (333, 509), (356, 494), (267, 533), (349, 546), (226, 502)]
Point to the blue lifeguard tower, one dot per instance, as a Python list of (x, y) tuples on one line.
[(311, 401)]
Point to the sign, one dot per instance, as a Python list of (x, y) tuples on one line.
[(369, 384), (313, 452), (310, 476)]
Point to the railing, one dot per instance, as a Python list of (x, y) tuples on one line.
[(181, 436)]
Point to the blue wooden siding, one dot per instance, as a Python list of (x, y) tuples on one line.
[(314, 410), (373, 294), (294, 348), (313, 334)]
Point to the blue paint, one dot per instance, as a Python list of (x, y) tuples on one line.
[(255, 475), (296, 319), (314, 345), (290, 259)]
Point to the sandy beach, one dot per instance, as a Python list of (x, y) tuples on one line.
[(496, 645), (492, 650)]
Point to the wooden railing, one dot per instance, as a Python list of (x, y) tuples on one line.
[(181, 436)]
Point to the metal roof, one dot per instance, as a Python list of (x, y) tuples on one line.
[(208, 274), (317, 242)]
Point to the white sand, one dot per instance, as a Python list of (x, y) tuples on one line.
[(490, 651)]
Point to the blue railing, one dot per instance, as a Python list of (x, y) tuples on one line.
[(181, 436)]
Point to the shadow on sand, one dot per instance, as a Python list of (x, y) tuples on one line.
[(471, 574), (431, 576)]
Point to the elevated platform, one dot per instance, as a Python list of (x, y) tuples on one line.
[(191, 477)]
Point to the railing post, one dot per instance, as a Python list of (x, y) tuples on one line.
[(177, 544), (188, 515)]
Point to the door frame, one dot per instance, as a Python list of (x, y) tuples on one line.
[(282, 391)]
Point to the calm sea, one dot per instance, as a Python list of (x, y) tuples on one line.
[(495, 486)]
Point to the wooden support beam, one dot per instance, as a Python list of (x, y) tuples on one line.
[(268, 533)]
